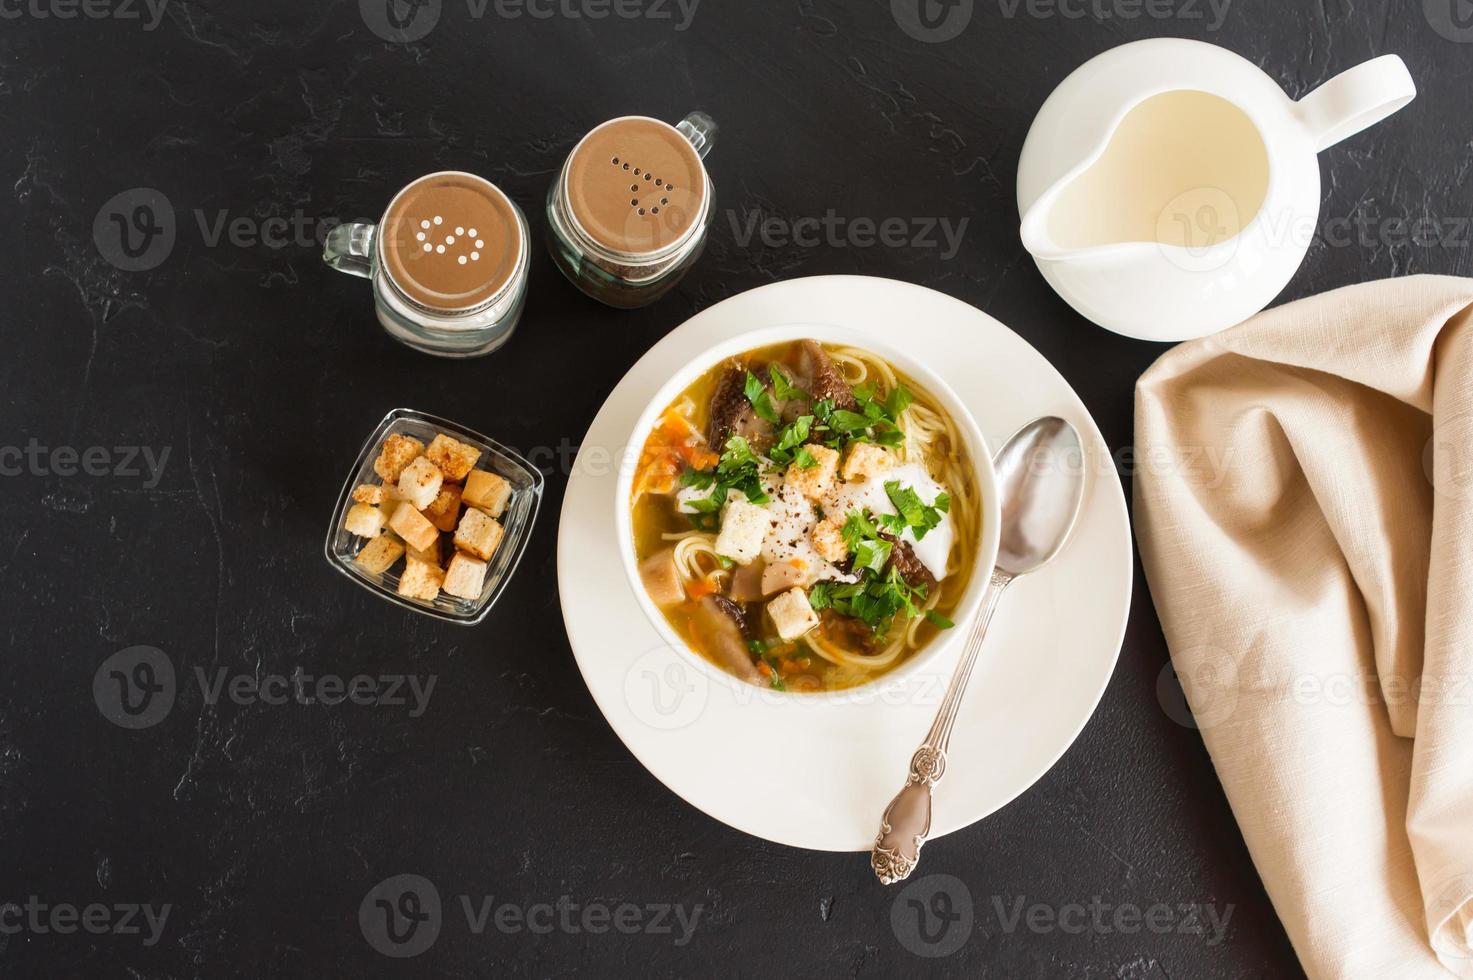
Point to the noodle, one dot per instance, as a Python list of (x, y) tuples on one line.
[(692, 547)]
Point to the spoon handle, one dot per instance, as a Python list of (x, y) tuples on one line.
[(907, 820)]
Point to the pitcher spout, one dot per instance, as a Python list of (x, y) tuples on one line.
[(1034, 231)]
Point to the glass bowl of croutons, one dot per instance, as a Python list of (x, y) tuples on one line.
[(434, 517)]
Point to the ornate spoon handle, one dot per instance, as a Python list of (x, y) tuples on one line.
[(907, 820)]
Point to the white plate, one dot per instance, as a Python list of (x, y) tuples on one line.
[(818, 775)]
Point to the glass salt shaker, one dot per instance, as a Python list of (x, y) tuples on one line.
[(448, 262)]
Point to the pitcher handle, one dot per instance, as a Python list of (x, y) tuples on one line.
[(700, 129), (1356, 99), (349, 248)]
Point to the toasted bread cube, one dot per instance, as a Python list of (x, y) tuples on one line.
[(444, 510), (397, 453), (379, 555), (792, 614), (430, 555), (455, 459), (420, 580), (413, 527), (866, 460), (420, 483), (376, 494), (662, 579), (465, 576), (488, 491), (364, 520), (828, 540), (743, 528), (815, 481), (477, 534)]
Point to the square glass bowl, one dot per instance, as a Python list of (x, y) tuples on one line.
[(521, 514)]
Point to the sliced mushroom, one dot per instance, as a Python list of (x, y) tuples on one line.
[(662, 579), (903, 559), (825, 380), (781, 576), (732, 414), (722, 633), (746, 582)]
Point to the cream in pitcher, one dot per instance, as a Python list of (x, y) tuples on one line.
[(1165, 184)]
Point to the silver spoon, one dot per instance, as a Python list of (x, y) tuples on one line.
[(1040, 478)]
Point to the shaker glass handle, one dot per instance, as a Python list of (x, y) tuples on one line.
[(1356, 99), (349, 249), (701, 130)]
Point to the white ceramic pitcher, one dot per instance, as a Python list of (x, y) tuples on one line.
[(1169, 188)]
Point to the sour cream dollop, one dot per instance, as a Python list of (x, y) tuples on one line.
[(870, 495)]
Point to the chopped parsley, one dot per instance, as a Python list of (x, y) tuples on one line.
[(739, 469), (914, 513), (881, 593), (872, 555), (876, 599), (759, 649), (785, 390), (790, 441), (876, 421), (936, 619), (756, 393)]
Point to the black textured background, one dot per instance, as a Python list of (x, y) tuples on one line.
[(261, 371)]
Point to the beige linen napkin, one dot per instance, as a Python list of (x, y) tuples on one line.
[(1304, 506)]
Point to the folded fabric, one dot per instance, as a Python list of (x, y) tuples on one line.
[(1304, 507)]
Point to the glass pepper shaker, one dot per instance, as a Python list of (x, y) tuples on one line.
[(629, 212)]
